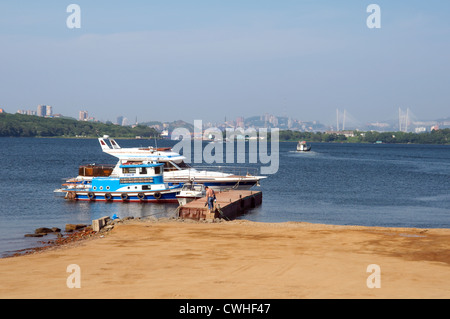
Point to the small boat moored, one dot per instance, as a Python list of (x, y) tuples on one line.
[(190, 192)]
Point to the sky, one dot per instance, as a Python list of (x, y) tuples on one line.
[(210, 59)]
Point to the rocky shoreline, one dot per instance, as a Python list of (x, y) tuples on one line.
[(74, 233)]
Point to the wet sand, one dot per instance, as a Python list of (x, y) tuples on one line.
[(238, 259)]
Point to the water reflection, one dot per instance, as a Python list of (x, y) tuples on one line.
[(87, 211)]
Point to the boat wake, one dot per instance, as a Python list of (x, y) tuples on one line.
[(301, 153)]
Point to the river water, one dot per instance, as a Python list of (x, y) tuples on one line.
[(343, 184)]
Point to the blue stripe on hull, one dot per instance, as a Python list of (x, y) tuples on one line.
[(165, 197), (130, 200)]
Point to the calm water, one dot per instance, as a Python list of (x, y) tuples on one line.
[(345, 184)]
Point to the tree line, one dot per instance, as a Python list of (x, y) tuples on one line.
[(434, 137), (19, 125)]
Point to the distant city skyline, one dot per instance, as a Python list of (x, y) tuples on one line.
[(208, 60), (405, 122), (343, 118)]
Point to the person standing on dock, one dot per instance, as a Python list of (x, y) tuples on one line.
[(210, 197)]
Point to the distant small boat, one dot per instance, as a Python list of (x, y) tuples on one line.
[(303, 147)]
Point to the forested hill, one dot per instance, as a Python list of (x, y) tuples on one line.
[(19, 125), (434, 137)]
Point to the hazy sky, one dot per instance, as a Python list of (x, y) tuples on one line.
[(173, 59)]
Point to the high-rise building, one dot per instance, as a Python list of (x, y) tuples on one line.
[(48, 110), (41, 110), (119, 120), (83, 116)]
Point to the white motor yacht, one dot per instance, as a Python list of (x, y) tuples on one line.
[(176, 170)]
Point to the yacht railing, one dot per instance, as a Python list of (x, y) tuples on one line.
[(234, 170)]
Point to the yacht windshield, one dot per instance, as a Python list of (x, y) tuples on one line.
[(182, 164), (171, 166)]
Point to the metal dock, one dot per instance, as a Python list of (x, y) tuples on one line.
[(229, 205)]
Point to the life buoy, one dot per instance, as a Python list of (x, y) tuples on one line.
[(141, 196), (108, 196), (71, 195), (124, 196), (91, 196), (157, 195)]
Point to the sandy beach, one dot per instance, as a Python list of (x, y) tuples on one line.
[(171, 259)]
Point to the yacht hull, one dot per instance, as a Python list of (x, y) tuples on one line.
[(162, 197)]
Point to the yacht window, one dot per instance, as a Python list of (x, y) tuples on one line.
[(168, 166), (128, 170), (143, 170), (158, 170)]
